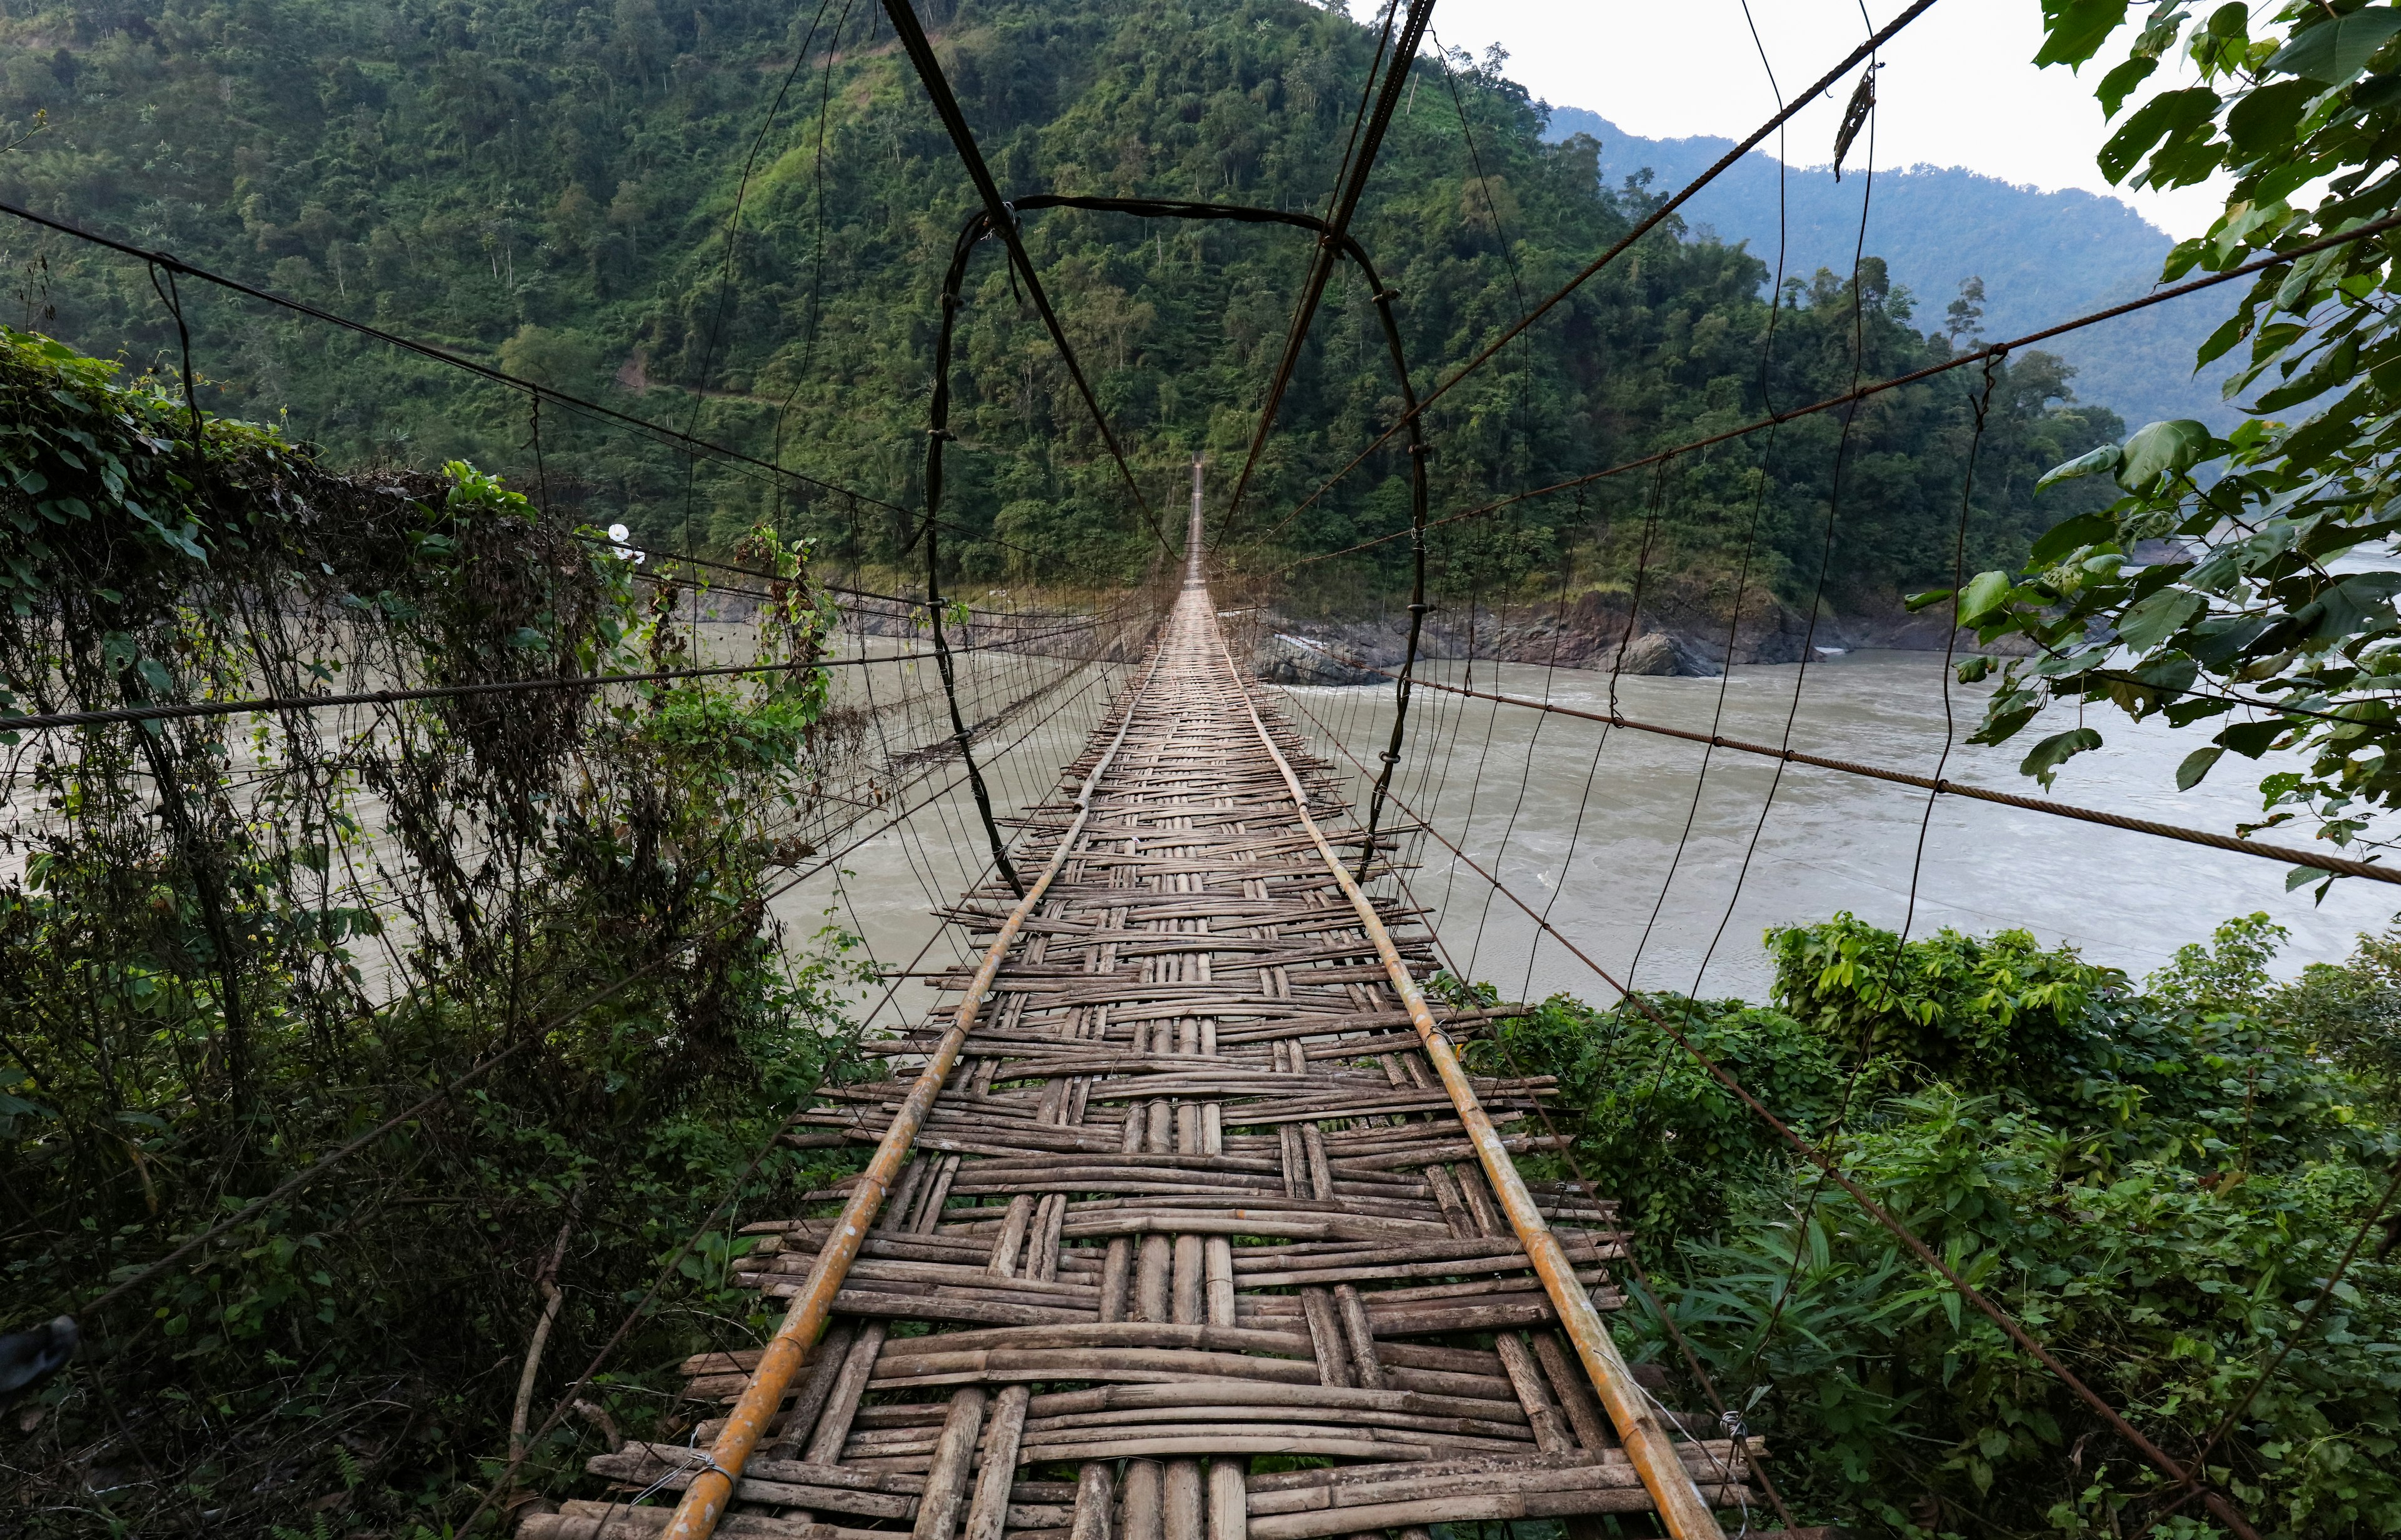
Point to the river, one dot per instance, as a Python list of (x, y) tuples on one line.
[(1667, 891)]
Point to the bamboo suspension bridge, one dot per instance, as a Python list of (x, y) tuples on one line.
[(1184, 1219), (1188, 1173)]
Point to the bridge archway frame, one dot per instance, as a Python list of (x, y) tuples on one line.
[(978, 228)]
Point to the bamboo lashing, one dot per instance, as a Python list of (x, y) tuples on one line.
[(704, 1501), (1190, 1174), (1680, 1505)]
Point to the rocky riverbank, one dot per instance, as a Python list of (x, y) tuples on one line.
[(1684, 631)]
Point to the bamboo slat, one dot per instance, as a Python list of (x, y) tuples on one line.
[(1191, 1192)]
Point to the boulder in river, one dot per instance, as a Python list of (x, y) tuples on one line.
[(1282, 658), (1661, 653)]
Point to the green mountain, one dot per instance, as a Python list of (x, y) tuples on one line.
[(733, 219), (2043, 257)]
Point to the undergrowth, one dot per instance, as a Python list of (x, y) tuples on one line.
[(230, 943)]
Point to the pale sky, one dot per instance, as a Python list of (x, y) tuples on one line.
[(1957, 88)]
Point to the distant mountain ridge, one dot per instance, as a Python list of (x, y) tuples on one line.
[(2044, 256)]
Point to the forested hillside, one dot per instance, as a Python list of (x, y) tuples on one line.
[(551, 190), (2042, 256)]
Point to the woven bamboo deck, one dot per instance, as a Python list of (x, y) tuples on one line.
[(1193, 1241)]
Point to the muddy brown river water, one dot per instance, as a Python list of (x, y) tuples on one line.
[(1603, 830)]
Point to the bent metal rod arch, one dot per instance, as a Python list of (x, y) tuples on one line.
[(978, 228)]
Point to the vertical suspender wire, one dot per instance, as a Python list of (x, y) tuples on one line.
[(725, 281), (1729, 1420), (1816, 601), (1916, 1245), (1534, 741), (1826, 554), (1980, 404), (1600, 744), (1321, 267), (1758, 504), (817, 260), (707, 1498), (1508, 253), (1004, 223), (937, 430), (1392, 753)]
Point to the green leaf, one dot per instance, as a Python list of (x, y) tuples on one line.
[(2221, 341), (2076, 29), (2043, 761), (2162, 448), (2145, 625), (2250, 739), (1915, 602), (2354, 604), (2333, 367), (1986, 593), (2337, 51), (2089, 463), (2119, 82), (2377, 92), (2172, 112), (2196, 764), (2264, 119), (2081, 530)]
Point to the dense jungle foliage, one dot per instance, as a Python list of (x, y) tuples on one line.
[(229, 945), (551, 189), (2157, 1179)]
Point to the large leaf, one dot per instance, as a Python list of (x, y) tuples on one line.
[(2360, 602), (2164, 449), (2170, 113), (2265, 119), (2119, 82), (2337, 51), (1986, 593), (2090, 463), (2196, 764), (2081, 530), (2157, 618), (2043, 761), (2076, 29)]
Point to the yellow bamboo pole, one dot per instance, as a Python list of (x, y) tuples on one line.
[(1655, 1458), (704, 1501)]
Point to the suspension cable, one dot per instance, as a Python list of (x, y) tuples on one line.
[(185, 711), (1957, 360), (938, 87), (2216, 1501), (1643, 228), (2340, 865), (442, 355), (1321, 261)]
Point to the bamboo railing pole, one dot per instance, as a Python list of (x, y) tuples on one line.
[(704, 1501), (1655, 1458)]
